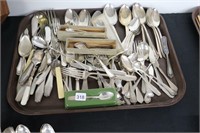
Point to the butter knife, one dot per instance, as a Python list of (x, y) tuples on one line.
[(170, 72)]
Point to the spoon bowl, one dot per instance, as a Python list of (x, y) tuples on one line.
[(46, 128), (155, 17), (9, 130), (39, 42), (138, 11), (22, 129), (106, 95), (71, 17), (110, 13), (143, 51), (25, 46)]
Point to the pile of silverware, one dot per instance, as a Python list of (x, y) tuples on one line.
[(66, 52)]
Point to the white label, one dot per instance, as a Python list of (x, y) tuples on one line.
[(80, 96)]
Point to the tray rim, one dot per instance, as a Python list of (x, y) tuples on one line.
[(114, 108), (196, 10)]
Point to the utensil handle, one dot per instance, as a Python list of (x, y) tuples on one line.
[(170, 72), (149, 85), (49, 84), (59, 82), (162, 86), (148, 38), (161, 38), (139, 96), (143, 35)]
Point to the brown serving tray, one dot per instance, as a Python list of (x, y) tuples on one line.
[(52, 105), (194, 15)]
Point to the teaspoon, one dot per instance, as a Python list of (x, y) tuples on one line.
[(22, 129), (71, 17), (125, 17), (46, 128)]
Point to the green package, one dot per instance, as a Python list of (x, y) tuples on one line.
[(100, 97)]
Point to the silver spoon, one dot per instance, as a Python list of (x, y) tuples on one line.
[(37, 58), (138, 11), (125, 17), (134, 30), (134, 97), (143, 52), (39, 42), (24, 49), (149, 94), (96, 23), (22, 129), (84, 18), (111, 14), (166, 89), (151, 23), (9, 130), (46, 128), (71, 17)]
